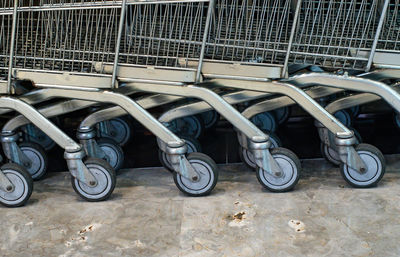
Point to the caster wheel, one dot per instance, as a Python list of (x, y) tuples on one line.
[(290, 166), (344, 117), (38, 157), (23, 185), (106, 179), (375, 162), (247, 156), (191, 126), (210, 119), (35, 135), (120, 131), (397, 120), (192, 144), (265, 121), (282, 114), (113, 151), (355, 111), (208, 171), (357, 135), (330, 155)]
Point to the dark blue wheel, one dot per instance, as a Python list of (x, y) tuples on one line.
[(191, 126), (265, 121), (344, 117)]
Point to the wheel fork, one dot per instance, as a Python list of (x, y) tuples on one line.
[(13, 151), (176, 155), (5, 183), (343, 143)]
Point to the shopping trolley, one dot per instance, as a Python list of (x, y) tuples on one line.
[(74, 35), (247, 44), (307, 33)]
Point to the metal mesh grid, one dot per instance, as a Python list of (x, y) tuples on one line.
[(67, 40), (250, 31), (334, 34), (390, 36), (70, 35), (5, 36), (163, 34)]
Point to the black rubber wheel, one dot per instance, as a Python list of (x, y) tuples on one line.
[(192, 144), (23, 185), (113, 151), (208, 176), (38, 157), (375, 162), (106, 180), (291, 169)]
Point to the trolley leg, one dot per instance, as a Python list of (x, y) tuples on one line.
[(343, 135), (176, 148), (86, 133), (73, 151), (387, 93), (259, 142)]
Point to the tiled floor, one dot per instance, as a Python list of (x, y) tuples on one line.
[(147, 216)]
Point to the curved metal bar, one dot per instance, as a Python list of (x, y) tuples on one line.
[(283, 101), (200, 107), (214, 100), (389, 94), (295, 93), (49, 112), (116, 111), (351, 101), (128, 105), (381, 74), (39, 121)]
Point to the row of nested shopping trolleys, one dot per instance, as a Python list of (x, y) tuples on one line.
[(124, 57)]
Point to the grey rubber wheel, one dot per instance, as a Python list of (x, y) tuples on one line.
[(121, 133), (375, 162), (106, 179), (290, 166), (114, 153), (38, 157), (23, 185), (193, 145), (247, 156), (208, 171)]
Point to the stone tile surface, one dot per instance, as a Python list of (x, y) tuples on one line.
[(147, 216)]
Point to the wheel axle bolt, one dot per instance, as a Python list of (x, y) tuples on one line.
[(92, 183), (195, 178), (9, 188), (362, 169)]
